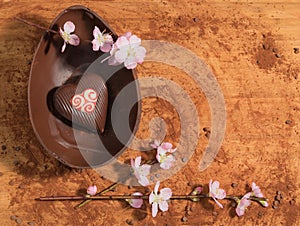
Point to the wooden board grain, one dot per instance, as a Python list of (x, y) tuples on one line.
[(261, 91)]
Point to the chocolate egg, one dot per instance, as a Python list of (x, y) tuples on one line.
[(77, 136)]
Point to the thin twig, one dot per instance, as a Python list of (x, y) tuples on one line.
[(35, 25), (111, 197)]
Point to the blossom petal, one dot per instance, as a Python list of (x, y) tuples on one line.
[(106, 47), (209, 185), (151, 197), (113, 50), (156, 187), (145, 169), (240, 211), (219, 204), (63, 47), (215, 185), (61, 32), (155, 144), (166, 145), (143, 180), (167, 163), (243, 204), (173, 150), (154, 209), (137, 161), (96, 45), (69, 27), (166, 193), (134, 41), (140, 54), (161, 151), (132, 163), (163, 206), (127, 34), (136, 203), (122, 42), (220, 194), (256, 190), (96, 32), (112, 61), (121, 55), (130, 63), (74, 40)]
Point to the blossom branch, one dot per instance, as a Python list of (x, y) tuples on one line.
[(145, 197), (159, 199)]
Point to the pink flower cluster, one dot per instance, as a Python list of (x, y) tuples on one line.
[(164, 156), (159, 200), (217, 193), (126, 50)]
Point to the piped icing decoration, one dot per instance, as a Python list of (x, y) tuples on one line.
[(85, 101)]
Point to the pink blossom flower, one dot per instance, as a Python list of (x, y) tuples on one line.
[(92, 190), (128, 50), (215, 192), (243, 204), (140, 171), (102, 41), (68, 38), (165, 155), (159, 200), (136, 203)]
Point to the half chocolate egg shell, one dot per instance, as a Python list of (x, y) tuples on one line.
[(69, 139)]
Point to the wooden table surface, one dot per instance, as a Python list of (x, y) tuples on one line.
[(250, 47)]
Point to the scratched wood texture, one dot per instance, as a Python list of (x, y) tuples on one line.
[(250, 47)]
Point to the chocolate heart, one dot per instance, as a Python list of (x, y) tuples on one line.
[(83, 102)]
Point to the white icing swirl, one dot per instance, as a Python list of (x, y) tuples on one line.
[(78, 101), (90, 95), (88, 107)]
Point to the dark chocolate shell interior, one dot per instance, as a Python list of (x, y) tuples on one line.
[(51, 69)]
